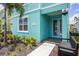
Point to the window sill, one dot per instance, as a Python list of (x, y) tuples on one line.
[(23, 31)]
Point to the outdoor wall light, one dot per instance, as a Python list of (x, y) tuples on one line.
[(65, 11)]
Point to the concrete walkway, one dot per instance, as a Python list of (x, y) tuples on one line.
[(43, 50)]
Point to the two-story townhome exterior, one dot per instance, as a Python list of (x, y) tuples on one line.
[(42, 21)]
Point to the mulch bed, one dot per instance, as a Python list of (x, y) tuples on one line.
[(21, 50), (54, 52)]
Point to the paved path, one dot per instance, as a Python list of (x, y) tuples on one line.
[(43, 50)]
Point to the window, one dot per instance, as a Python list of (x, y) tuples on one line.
[(23, 26)]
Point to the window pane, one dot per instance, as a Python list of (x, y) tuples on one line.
[(25, 20), (20, 27), (20, 21), (25, 27)]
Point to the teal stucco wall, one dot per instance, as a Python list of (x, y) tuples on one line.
[(33, 25), (45, 27)]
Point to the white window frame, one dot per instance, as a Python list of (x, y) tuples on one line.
[(27, 24)]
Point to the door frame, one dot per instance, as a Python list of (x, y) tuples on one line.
[(58, 26)]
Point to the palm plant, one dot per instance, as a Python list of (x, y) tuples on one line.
[(30, 41), (8, 12)]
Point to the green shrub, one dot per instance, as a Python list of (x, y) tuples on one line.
[(22, 39), (71, 28), (76, 38), (33, 40), (10, 36), (0, 36), (17, 37), (30, 41)]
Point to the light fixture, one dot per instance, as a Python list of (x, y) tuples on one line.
[(65, 11)]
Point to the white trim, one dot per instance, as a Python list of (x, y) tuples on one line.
[(24, 31), (39, 6), (17, 16), (52, 5), (25, 16), (26, 12), (31, 10), (14, 16), (18, 25)]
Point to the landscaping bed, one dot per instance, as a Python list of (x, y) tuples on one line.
[(20, 50), (17, 45)]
